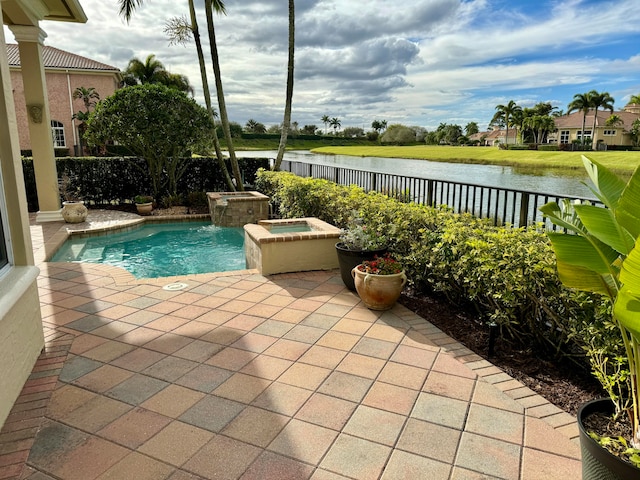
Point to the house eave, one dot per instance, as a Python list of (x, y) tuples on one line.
[(31, 12)]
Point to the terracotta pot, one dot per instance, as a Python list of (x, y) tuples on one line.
[(597, 462), (74, 212), (378, 292), (144, 208), (347, 259)]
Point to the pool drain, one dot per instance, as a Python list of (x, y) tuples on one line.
[(173, 287)]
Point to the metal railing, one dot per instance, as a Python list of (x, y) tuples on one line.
[(502, 205)]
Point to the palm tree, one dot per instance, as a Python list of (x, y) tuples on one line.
[(635, 99), (598, 100), (335, 123), (325, 119), (289, 94), (89, 96), (209, 7), (614, 121), (504, 114), (539, 125), (582, 102), (179, 31)]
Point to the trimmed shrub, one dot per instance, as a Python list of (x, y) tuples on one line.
[(115, 180)]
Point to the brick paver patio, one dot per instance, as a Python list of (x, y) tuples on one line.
[(240, 376)]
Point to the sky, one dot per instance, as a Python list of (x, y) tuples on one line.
[(414, 62)]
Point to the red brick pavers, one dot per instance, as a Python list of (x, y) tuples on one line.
[(245, 377)]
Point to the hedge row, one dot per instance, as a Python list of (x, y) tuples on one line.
[(508, 274), (113, 180)]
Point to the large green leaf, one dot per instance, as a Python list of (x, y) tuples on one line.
[(601, 223), (584, 252), (564, 216), (627, 306), (581, 278), (628, 211), (608, 186)]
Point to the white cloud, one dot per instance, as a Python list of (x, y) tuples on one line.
[(420, 62)]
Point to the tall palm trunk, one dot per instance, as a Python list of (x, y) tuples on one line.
[(220, 94), (207, 95), (289, 95)]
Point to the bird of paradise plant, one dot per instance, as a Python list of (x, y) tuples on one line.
[(600, 252)]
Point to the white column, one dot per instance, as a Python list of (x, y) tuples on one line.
[(30, 40)]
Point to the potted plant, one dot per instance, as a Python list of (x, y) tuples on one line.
[(600, 252), (357, 244), (144, 204), (379, 282), (73, 208)]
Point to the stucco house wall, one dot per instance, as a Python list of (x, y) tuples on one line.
[(61, 83)]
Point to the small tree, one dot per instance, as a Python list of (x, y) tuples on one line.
[(155, 122), (398, 134), (353, 132)]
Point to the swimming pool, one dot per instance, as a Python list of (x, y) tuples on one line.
[(162, 250)]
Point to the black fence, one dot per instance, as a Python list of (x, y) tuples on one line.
[(502, 205)]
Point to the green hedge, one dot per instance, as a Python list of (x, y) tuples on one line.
[(508, 274), (114, 180)]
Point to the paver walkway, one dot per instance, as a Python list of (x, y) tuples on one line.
[(239, 376)]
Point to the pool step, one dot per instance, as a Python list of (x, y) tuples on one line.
[(92, 254)]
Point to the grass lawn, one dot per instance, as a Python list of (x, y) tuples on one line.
[(620, 161)]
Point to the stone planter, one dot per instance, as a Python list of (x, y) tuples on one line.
[(347, 259), (144, 208), (74, 212), (378, 292), (597, 462)]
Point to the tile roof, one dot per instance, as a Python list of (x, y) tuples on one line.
[(574, 120), (56, 58)]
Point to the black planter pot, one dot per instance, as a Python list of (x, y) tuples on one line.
[(348, 259), (597, 462)]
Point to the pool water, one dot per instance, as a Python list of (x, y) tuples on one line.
[(162, 250)]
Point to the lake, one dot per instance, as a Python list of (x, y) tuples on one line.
[(545, 181)]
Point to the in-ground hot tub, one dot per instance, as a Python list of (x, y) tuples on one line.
[(291, 245), (235, 209)]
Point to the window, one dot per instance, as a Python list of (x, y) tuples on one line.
[(57, 130), (564, 136), (609, 133), (587, 134)]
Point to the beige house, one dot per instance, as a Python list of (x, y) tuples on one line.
[(569, 127), (64, 72), (21, 335), (496, 136)]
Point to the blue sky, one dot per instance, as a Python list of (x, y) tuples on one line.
[(415, 62)]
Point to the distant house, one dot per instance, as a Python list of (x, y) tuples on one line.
[(496, 136), (64, 72), (569, 127)]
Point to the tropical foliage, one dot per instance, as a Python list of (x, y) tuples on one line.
[(153, 71), (179, 125), (127, 7), (601, 254)]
